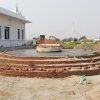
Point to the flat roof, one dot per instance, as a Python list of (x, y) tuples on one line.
[(13, 14)]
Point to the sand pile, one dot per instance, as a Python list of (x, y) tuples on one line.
[(97, 46), (83, 46)]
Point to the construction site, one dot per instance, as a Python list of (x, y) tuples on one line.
[(49, 77)]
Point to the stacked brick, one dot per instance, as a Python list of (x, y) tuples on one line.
[(48, 66)]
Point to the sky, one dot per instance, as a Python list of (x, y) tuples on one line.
[(60, 18)]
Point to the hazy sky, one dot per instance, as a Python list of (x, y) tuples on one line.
[(60, 18)]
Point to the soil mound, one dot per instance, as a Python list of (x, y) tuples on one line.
[(83, 46), (97, 46)]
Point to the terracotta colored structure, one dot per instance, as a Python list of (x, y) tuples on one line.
[(60, 66)]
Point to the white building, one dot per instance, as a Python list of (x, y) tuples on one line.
[(96, 39), (12, 28)]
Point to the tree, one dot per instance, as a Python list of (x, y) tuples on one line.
[(68, 39), (83, 38), (75, 39)]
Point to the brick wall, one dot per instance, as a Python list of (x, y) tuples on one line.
[(61, 67)]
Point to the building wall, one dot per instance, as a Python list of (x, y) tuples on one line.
[(14, 24)]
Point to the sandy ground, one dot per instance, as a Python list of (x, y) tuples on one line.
[(69, 88)]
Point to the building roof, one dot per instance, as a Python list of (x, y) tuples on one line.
[(47, 41), (13, 14)]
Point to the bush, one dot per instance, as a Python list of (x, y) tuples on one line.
[(70, 45)]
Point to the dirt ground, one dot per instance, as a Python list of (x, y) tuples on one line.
[(69, 88)]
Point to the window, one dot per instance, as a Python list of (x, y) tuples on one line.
[(18, 33), (22, 34), (7, 32), (0, 32)]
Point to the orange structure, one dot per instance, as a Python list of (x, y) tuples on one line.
[(51, 40), (59, 66)]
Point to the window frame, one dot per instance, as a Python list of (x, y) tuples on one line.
[(7, 32), (22, 34), (18, 34)]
